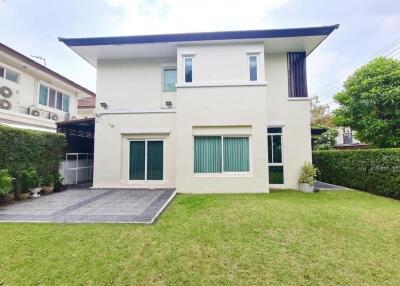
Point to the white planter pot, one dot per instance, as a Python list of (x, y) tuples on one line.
[(306, 188), (35, 192)]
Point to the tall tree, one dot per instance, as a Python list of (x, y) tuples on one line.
[(370, 103), (320, 115)]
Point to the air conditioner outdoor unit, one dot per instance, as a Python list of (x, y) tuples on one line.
[(6, 92), (34, 112), (5, 104), (53, 116)]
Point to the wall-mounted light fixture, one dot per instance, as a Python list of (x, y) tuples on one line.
[(168, 104), (104, 105)]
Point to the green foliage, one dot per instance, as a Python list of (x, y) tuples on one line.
[(27, 179), (327, 140), (23, 149), (370, 103), (320, 115), (373, 170), (48, 180), (6, 182), (308, 174), (281, 238)]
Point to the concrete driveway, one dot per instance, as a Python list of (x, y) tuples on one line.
[(91, 206)]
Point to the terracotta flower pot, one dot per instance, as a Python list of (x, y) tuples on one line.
[(22, 196), (7, 198), (47, 190)]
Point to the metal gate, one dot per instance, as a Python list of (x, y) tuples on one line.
[(77, 168)]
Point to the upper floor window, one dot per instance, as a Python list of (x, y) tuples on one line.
[(188, 61), (9, 74), (169, 79), (53, 98), (297, 75), (253, 67)]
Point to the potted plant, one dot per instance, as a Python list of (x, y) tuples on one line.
[(6, 187), (307, 178), (58, 185), (27, 181), (48, 185)]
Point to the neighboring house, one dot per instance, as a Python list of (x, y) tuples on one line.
[(33, 96), (202, 112), (86, 107), (346, 139)]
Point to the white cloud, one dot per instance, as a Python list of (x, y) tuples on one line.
[(171, 16)]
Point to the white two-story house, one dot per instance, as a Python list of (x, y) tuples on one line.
[(202, 112), (33, 96)]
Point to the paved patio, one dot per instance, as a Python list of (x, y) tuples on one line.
[(91, 206)]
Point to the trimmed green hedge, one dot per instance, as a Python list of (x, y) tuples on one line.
[(21, 149), (373, 170)]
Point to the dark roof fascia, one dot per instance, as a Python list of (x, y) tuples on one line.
[(207, 36), (44, 69), (76, 122)]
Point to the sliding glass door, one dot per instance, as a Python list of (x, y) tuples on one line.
[(146, 160)]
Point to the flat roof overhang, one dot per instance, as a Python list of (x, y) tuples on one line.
[(148, 46), (77, 128)]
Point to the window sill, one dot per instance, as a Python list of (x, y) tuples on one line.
[(223, 175), (222, 84), (52, 109), (299, 99), (135, 182)]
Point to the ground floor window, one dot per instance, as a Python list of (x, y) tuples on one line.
[(218, 154), (275, 160), (146, 160)]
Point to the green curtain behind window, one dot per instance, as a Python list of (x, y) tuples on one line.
[(137, 160), (236, 154), (155, 162), (43, 95), (207, 154), (65, 103)]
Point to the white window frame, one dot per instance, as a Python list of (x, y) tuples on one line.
[(163, 69), (257, 56), (145, 160), (272, 153), (6, 69), (184, 68), (222, 156), (49, 86)]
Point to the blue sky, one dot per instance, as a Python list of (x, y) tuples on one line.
[(32, 28)]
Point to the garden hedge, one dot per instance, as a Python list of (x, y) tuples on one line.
[(373, 170), (21, 149)]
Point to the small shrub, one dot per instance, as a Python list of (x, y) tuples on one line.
[(373, 170), (308, 174), (327, 140), (48, 180), (6, 182), (26, 180)]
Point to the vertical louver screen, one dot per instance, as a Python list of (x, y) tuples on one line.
[(297, 74)]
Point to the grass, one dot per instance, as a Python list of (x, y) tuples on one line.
[(287, 238)]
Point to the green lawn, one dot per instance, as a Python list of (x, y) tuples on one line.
[(288, 238)]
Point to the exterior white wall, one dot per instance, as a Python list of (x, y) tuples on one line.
[(220, 101), (293, 115), (222, 111), (26, 95), (86, 112), (136, 83), (220, 64), (111, 148)]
